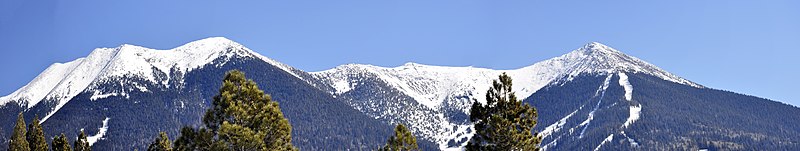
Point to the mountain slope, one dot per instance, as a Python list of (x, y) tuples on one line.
[(446, 92), (592, 98), (132, 92)]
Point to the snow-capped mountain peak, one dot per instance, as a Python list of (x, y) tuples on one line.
[(453, 88), (426, 82), (60, 82), (144, 62), (595, 57)]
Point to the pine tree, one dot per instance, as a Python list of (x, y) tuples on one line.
[(191, 139), (19, 142), (503, 123), (402, 140), (162, 143), (35, 136), (61, 143), (81, 144), (241, 117)]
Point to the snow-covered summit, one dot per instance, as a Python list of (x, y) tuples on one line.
[(140, 61), (441, 88), (431, 85), (62, 81), (595, 57)]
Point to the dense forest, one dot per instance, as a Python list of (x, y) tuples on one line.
[(243, 117)]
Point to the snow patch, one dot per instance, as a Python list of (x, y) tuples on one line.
[(97, 95), (101, 96), (141, 88), (342, 86), (634, 110), (623, 81), (99, 136)]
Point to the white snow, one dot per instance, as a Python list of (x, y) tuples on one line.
[(608, 139), (634, 110), (634, 115), (100, 133), (79, 78), (60, 82), (431, 86), (100, 96), (39, 87), (435, 86), (623, 81), (141, 88), (144, 62), (97, 95), (342, 86)]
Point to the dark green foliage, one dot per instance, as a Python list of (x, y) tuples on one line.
[(162, 143), (61, 143), (35, 136), (81, 144), (402, 140), (319, 121), (504, 122), (191, 139), (18, 139), (242, 117)]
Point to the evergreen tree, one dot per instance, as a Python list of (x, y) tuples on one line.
[(162, 143), (503, 123), (61, 143), (241, 117), (402, 140), (35, 136), (191, 139), (82, 144), (18, 140)]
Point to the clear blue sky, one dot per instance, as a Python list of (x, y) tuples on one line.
[(744, 46)]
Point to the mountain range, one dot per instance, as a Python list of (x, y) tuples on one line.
[(592, 98)]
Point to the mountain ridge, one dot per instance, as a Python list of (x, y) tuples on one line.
[(430, 86), (105, 64), (432, 100), (443, 88)]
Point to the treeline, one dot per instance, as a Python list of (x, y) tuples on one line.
[(33, 139), (243, 117)]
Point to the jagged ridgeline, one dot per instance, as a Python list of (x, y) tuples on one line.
[(594, 97)]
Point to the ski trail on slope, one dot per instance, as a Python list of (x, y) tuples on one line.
[(602, 92), (99, 136), (556, 127), (608, 139), (634, 110)]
